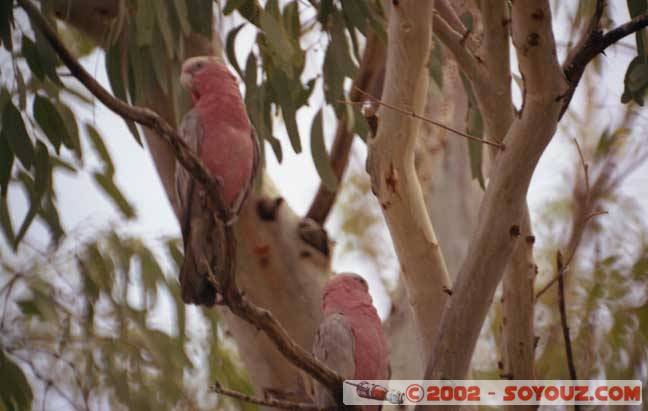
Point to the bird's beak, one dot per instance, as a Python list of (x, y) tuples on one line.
[(185, 81)]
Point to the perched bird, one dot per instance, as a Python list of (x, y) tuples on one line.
[(350, 340), (218, 130)]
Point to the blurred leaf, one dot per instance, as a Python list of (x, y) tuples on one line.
[(160, 63), (182, 14), (5, 221), (174, 249), (6, 163), (338, 63), (13, 129), (145, 21), (291, 19), (320, 155), (28, 307), (113, 192), (282, 88), (116, 70), (43, 170), (50, 216), (474, 127), (31, 56), (283, 49), (635, 81), (15, 391), (233, 5), (22, 90), (32, 193), (101, 150), (201, 16), (48, 58), (6, 21), (231, 50), (72, 129), (49, 119), (162, 14)]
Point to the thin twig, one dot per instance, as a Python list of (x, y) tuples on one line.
[(563, 319), (234, 298), (270, 402), (585, 167), (427, 120), (588, 217)]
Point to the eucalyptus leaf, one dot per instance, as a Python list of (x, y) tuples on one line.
[(15, 133), (15, 391), (50, 120), (230, 48), (320, 155), (31, 56), (6, 163), (113, 192)]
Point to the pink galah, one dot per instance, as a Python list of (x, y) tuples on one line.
[(218, 129), (350, 340)]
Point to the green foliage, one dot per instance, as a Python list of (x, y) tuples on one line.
[(91, 314), (15, 391), (636, 78)]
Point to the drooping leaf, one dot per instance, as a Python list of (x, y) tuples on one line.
[(168, 37), (230, 48), (50, 120), (160, 63), (34, 206), (320, 155), (338, 64), (116, 70), (113, 192), (15, 391), (48, 58), (435, 64), (182, 14), (43, 170), (145, 21), (102, 151), (31, 56), (72, 129), (283, 90), (6, 163), (233, 5), (5, 221), (474, 127), (6, 21), (200, 16), (635, 81), (15, 133)]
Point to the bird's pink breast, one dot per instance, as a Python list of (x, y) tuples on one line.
[(227, 148)]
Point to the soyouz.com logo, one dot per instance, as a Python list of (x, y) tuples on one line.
[(493, 392)]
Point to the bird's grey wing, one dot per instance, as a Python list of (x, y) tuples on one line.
[(334, 345), (191, 132), (196, 222), (245, 192)]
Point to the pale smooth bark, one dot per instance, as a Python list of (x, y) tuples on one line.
[(391, 164), (502, 211)]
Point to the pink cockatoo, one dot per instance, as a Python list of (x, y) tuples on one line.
[(350, 340), (219, 131)]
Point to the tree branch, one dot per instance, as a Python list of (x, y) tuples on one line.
[(234, 298), (455, 41), (429, 120), (369, 77), (594, 43), (269, 402), (501, 212), (390, 163), (563, 319)]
